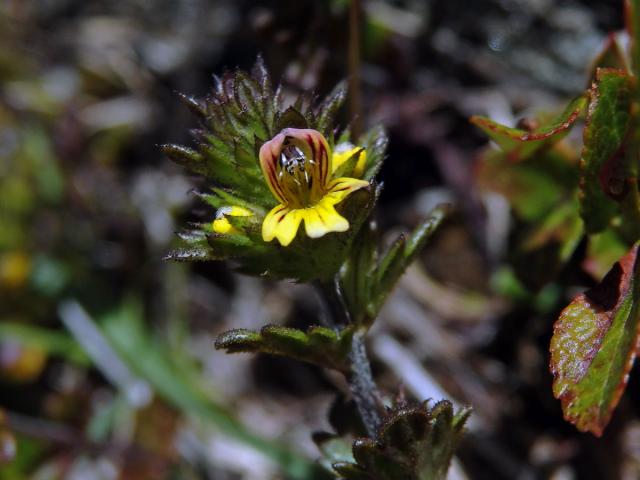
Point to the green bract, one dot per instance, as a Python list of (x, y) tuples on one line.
[(237, 118), (415, 442)]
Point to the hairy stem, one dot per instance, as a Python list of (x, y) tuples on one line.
[(363, 388)]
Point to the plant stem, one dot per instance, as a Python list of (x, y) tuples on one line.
[(334, 302), (363, 387), (355, 97)]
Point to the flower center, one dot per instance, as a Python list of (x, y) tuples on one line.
[(296, 174)]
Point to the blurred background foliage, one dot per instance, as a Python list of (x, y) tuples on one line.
[(106, 362)]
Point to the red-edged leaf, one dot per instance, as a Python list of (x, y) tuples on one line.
[(594, 345), (519, 144), (603, 165)]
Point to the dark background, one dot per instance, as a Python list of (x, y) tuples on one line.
[(89, 206)]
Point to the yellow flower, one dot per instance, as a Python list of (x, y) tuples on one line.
[(222, 225), (344, 152), (297, 164)]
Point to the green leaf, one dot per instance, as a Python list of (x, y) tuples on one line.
[(329, 107), (358, 273), (215, 200), (402, 252), (607, 124), (241, 108), (191, 254), (519, 144), (196, 106), (545, 247), (375, 142), (414, 443), (594, 346), (291, 118), (535, 187), (318, 345), (185, 156), (368, 277)]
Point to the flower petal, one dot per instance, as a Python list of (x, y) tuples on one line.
[(315, 146), (339, 188), (296, 164), (236, 211), (287, 228), (269, 156), (322, 219), (342, 155), (281, 223), (222, 225), (271, 221)]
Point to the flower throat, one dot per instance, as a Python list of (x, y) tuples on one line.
[(296, 176)]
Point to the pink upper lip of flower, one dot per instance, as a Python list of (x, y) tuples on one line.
[(315, 148)]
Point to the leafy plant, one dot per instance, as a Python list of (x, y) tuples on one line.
[(289, 160), (563, 195)]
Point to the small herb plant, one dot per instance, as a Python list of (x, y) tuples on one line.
[(295, 199), (562, 196)]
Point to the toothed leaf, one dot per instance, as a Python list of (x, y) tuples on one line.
[(368, 277), (328, 109), (318, 345), (594, 345), (414, 443), (519, 144)]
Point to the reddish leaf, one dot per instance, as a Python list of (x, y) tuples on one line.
[(594, 345), (519, 144)]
